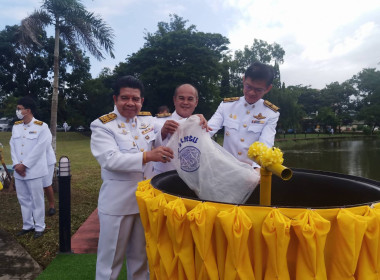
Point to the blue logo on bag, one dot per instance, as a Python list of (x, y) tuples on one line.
[(188, 138), (190, 158)]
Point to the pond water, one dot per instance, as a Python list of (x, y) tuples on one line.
[(359, 157)]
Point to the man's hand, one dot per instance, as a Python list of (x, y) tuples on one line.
[(204, 123), (257, 169), (162, 154), (169, 127), (20, 169)]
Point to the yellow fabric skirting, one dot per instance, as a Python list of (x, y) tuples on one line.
[(190, 239)]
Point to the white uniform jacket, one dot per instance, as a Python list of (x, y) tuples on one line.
[(118, 145), (160, 167), (28, 146), (245, 124), (50, 155)]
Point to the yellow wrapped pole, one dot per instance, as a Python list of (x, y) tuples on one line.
[(265, 186), (270, 160)]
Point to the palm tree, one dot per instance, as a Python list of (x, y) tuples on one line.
[(73, 24)]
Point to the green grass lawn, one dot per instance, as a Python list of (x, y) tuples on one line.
[(85, 184), (72, 267)]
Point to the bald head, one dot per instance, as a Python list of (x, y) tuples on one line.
[(185, 100), (188, 88)]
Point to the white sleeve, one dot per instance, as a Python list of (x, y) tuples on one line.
[(269, 131), (216, 121), (108, 154)]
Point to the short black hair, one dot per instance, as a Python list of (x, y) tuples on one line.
[(28, 103), (163, 108), (128, 82), (260, 71)]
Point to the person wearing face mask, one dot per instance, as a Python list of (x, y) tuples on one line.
[(185, 101), (29, 142), (249, 118)]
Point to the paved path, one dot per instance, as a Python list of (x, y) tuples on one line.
[(17, 264), (85, 240)]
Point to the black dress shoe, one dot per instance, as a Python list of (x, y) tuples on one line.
[(38, 234), (51, 211), (24, 231)]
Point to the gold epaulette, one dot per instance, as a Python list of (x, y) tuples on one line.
[(38, 122), (144, 113), (230, 99), (107, 118), (163, 115), (271, 106), (18, 122)]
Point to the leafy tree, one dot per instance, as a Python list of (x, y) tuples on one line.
[(291, 112), (326, 117), (259, 51), (371, 115), (21, 73), (368, 84), (95, 100), (367, 81), (177, 54), (28, 73), (337, 97), (73, 24), (309, 99), (225, 84)]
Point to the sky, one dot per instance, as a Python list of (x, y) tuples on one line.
[(324, 41)]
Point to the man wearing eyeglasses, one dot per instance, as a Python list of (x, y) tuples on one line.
[(249, 118)]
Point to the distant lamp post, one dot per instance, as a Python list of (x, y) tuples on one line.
[(64, 181)]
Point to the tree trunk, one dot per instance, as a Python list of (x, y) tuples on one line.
[(54, 98)]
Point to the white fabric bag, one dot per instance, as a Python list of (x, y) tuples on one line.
[(208, 169)]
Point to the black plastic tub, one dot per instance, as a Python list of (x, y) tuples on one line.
[(306, 189)]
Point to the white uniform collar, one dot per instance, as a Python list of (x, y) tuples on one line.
[(175, 116), (122, 118), (247, 105), (30, 123)]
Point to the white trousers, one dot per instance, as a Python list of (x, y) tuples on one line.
[(30, 195), (121, 237)]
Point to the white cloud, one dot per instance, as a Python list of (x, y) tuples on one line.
[(318, 37), (324, 40), (163, 9), (112, 9), (350, 43)]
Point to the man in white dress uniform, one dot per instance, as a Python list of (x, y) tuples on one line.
[(185, 101), (121, 141), (249, 118), (29, 142)]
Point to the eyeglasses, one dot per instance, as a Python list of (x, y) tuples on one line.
[(251, 88)]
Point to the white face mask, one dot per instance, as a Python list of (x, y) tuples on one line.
[(19, 114)]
